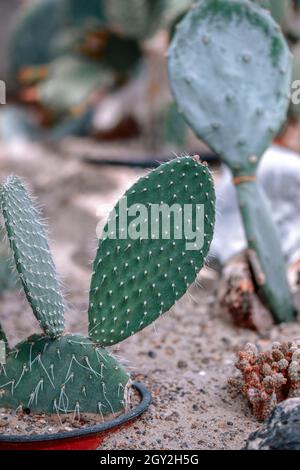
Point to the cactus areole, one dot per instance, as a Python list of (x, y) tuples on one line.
[(134, 281), (230, 72)]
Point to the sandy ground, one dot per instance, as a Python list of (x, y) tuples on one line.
[(185, 358)]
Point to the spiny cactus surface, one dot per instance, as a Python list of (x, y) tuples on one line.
[(32, 256), (136, 280), (68, 374), (235, 97)]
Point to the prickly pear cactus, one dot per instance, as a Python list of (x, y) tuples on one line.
[(32, 256), (137, 280), (68, 374), (236, 99), (138, 275)]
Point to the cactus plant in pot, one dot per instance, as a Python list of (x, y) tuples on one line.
[(135, 279)]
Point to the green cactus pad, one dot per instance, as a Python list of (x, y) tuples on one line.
[(234, 94), (69, 374), (136, 280), (32, 256)]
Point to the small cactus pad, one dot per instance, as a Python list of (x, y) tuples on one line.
[(234, 94), (137, 278), (69, 374), (33, 259)]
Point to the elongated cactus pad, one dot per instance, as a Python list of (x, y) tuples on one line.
[(69, 374), (149, 264), (32, 256), (234, 95)]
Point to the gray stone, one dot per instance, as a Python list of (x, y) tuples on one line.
[(281, 431)]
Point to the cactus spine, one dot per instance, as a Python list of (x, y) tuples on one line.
[(134, 281), (236, 99)]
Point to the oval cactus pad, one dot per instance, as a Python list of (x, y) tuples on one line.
[(147, 260), (230, 72)]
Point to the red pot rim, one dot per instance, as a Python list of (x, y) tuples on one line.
[(96, 429)]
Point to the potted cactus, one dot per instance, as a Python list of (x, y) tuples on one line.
[(137, 276), (230, 72)]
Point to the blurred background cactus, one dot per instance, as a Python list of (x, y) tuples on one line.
[(205, 38), (122, 45), (53, 42)]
